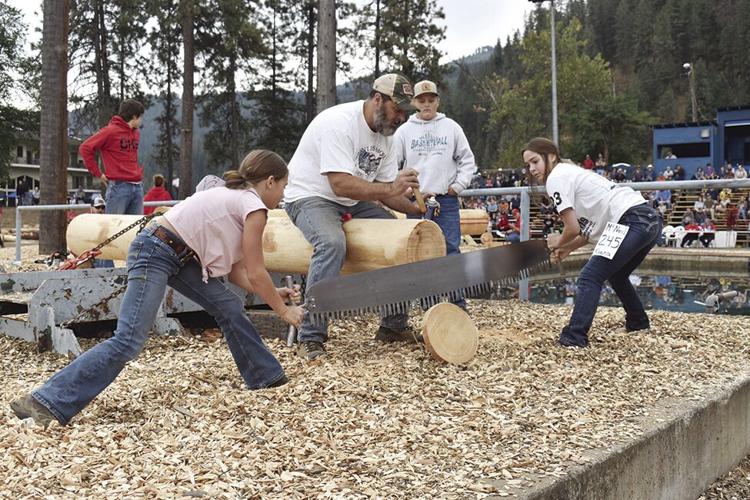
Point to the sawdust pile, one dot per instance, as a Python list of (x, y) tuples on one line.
[(372, 420)]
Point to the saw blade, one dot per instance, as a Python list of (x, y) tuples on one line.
[(392, 290)]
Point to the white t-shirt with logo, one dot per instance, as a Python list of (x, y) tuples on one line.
[(595, 199), (338, 140)]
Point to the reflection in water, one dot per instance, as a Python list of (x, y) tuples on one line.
[(668, 293)]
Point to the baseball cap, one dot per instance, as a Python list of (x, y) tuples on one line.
[(425, 87), (208, 182), (397, 87), (98, 202)]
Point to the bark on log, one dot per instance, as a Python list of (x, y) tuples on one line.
[(449, 334), (371, 243)]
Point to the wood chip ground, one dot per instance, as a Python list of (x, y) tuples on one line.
[(372, 420)]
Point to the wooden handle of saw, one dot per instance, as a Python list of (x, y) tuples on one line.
[(420, 200)]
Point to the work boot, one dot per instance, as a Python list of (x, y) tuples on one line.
[(388, 335), (310, 350), (28, 407)]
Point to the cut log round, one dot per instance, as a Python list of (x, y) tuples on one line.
[(474, 221), (449, 334), (370, 243)]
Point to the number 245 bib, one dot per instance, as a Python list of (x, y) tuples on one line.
[(610, 240)]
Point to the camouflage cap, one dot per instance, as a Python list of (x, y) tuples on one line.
[(397, 87)]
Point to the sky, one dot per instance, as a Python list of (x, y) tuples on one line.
[(474, 23)]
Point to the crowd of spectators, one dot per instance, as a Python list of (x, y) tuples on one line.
[(712, 205)]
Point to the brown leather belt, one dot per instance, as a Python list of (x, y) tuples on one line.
[(180, 248)]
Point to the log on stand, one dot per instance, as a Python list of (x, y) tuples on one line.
[(370, 243), (449, 334)]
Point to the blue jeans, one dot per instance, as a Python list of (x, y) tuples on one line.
[(320, 221), (645, 229), (124, 198), (152, 264), (121, 198), (449, 221)]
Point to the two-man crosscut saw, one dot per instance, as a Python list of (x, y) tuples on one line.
[(393, 289)]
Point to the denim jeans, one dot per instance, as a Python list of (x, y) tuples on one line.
[(320, 221), (645, 229), (449, 221), (124, 198), (152, 264)]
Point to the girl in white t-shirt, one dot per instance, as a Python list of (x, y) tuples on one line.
[(593, 210), (214, 233)]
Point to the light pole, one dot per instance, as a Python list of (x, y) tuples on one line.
[(691, 81), (555, 132)]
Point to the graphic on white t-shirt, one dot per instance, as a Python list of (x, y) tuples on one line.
[(368, 161)]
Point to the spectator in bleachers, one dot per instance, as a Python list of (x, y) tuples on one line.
[(648, 175), (740, 172), (710, 205), (601, 164), (545, 206), (699, 216), (700, 203), (709, 233), (692, 232), (709, 171), (514, 234), (588, 163), (688, 218), (742, 208), (679, 173), (668, 173), (515, 203), (665, 195), (699, 175), (492, 207), (637, 174)]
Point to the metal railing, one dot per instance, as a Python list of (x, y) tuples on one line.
[(77, 206), (525, 192)]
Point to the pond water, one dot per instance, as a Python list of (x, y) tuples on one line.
[(730, 295)]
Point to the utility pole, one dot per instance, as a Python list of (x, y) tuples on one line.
[(555, 130), (691, 81)]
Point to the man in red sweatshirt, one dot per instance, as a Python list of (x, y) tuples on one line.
[(117, 143), (156, 193)]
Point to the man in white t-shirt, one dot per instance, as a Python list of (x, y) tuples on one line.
[(343, 164)]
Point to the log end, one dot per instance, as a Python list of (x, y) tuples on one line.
[(449, 334), (426, 241)]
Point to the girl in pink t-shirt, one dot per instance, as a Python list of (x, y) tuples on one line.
[(232, 218)]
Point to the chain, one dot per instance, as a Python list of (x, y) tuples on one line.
[(142, 222)]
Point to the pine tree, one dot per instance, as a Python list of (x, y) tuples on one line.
[(53, 150), (409, 36), (229, 41), (164, 39)]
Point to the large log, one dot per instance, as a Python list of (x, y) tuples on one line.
[(370, 243)]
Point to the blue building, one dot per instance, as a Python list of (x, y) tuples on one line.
[(696, 144)]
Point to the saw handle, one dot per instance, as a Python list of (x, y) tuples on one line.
[(291, 334), (420, 199)]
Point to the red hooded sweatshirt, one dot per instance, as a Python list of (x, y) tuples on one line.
[(156, 193), (118, 145)]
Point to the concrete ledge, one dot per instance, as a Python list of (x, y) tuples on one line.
[(688, 445)]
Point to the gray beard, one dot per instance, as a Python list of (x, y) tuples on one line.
[(381, 123)]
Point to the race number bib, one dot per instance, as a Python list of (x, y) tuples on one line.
[(610, 240)]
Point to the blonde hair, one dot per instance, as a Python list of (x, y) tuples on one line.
[(158, 180), (257, 166)]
